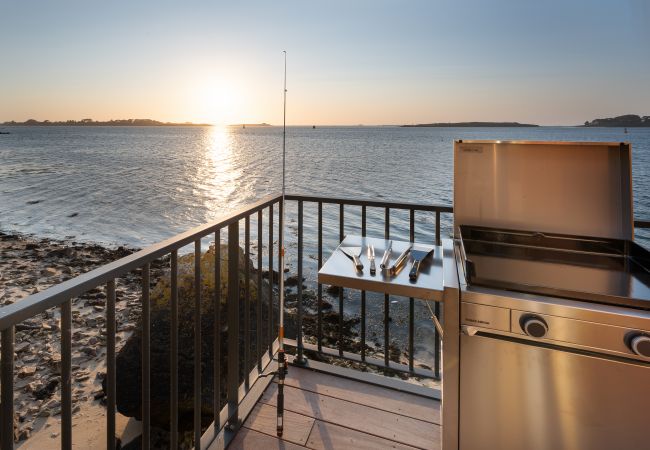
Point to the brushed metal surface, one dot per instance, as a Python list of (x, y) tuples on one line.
[(561, 187), (515, 396), (597, 336), (485, 316), (339, 271)]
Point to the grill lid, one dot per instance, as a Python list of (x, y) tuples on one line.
[(576, 188)]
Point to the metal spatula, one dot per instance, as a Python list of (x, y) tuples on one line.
[(353, 253), (418, 256)]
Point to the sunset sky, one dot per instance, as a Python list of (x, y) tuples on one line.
[(350, 62)]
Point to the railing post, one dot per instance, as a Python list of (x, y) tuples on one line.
[(258, 306), (319, 330), (66, 375), (197, 344), (233, 325), (411, 300), (341, 237), (300, 357), (271, 278), (146, 360), (216, 351), (110, 364), (7, 394), (386, 297), (247, 299), (173, 363), (363, 293)]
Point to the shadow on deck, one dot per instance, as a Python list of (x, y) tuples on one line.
[(324, 411)]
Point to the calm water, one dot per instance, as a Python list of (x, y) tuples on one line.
[(138, 186)]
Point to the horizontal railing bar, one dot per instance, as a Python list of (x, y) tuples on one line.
[(371, 203), (379, 363), (54, 296), (642, 223)]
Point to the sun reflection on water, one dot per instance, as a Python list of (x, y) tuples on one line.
[(221, 174)]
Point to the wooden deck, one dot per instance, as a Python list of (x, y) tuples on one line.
[(324, 411)]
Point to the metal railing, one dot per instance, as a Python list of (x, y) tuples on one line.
[(61, 296), (363, 207), (246, 381)]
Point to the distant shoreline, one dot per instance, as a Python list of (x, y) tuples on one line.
[(471, 125), (110, 123)]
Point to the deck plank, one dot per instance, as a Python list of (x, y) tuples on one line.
[(402, 429), (250, 439), (296, 426), (366, 394), (326, 436)]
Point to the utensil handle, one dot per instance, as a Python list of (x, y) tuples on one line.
[(357, 263), (373, 269), (413, 274)]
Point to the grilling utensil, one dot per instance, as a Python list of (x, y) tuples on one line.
[(353, 253), (399, 263), (418, 256), (384, 260), (371, 258)]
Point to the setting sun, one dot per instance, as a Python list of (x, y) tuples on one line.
[(218, 102)]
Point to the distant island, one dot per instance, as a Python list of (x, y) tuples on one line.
[(110, 123), (472, 124), (625, 121), (252, 125)]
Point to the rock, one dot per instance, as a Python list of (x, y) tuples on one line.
[(47, 390), (333, 290), (48, 272), (24, 432), (129, 358), (26, 371), (292, 280)]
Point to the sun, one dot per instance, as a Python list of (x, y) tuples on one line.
[(218, 103)]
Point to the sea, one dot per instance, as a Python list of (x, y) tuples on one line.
[(139, 185)]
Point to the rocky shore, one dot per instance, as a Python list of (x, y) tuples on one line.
[(29, 265)]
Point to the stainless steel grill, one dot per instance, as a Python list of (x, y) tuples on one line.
[(554, 319)]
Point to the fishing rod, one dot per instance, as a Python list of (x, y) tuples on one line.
[(282, 359)]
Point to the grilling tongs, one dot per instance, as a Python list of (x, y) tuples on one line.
[(353, 253)]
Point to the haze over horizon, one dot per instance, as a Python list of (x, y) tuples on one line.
[(372, 63)]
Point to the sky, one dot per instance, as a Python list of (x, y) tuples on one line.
[(349, 62)]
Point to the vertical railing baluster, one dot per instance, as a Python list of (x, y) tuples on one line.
[(363, 293), (411, 300), (110, 364), (300, 359), (233, 325), (271, 280), (146, 359), (258, 315), (7, 394), (197, 344), (66, 375), (436, 311), (216, 340), (341, 237), (173, 358), (436, 344), (386, 296), (319, 323), (247, 298)]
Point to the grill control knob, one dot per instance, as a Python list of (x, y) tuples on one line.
[(640, 345), (534, 326)]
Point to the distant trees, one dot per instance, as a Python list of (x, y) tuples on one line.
[(627, 120)]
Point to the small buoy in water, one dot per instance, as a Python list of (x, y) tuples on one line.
[(625, 131), (313, 127)]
